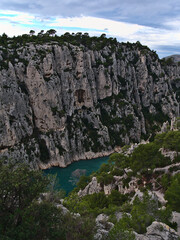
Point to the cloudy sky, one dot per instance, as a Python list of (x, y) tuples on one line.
[(155, 23)]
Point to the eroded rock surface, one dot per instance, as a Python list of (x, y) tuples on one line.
[(158, 231), (62, 103)]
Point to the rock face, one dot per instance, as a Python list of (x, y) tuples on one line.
[(62, 103), (176, 218), (158, 231), (103, 227), (175, 58), (92, 187)]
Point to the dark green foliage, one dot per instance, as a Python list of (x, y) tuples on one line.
[(61, 149), (122, 230), (40, 221), (117, 172), (23, 216), (147, 156), (3, 64), (47, 79), (152, 119), (165, 181), (54, 110), (159, 139), (109, 120), (92, 134), (105, 178), (126, 182), (41, 54), (172, 141), (44, 152), (94, 203), (51, 32), (129, 121), (169, 140), (158, 117), (143, 213), (135, 59), (115, 138), (98, 200), (98, 63), (19, 187), (94, 43), (83, 181), (104, 168), (109, 61), (173, 193), (79, 228), (168, 61), (140, 46), (120, 160), (116, 198)]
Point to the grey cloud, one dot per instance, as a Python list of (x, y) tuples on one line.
[(146, 12), (20, 6), (166, 50)]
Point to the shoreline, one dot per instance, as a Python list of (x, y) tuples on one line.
[(83, 157)]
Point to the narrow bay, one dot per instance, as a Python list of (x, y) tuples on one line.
[(66, 178)]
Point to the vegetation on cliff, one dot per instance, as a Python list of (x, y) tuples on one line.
[(148, 169), (68, 97), (27, 212), (78, 96)]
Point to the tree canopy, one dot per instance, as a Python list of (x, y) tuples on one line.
[(25, 214)]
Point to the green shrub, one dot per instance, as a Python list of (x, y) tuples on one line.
[(97, 200), (105, 178), (83, 181), (116, 198), (147, 156), (122, 230), (172, 195), (172, 141)]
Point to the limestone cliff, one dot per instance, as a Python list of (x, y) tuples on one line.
[(61, 102)]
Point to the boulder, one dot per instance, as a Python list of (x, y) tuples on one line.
[(176, 218), (158, 230)]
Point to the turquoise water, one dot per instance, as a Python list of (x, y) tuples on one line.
[(66, 178)]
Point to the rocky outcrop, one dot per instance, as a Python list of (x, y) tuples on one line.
[(176, 219), (158, 231), (172, 169), (92, 187), (103, 227), (60, 102), (117, 183)]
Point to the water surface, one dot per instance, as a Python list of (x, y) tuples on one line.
[(67, 177)]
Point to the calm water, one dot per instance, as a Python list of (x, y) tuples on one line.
[(67, 177)]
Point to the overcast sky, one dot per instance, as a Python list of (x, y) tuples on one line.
[(155, 23)]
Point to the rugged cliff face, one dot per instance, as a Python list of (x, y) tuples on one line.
[(60, 103)]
